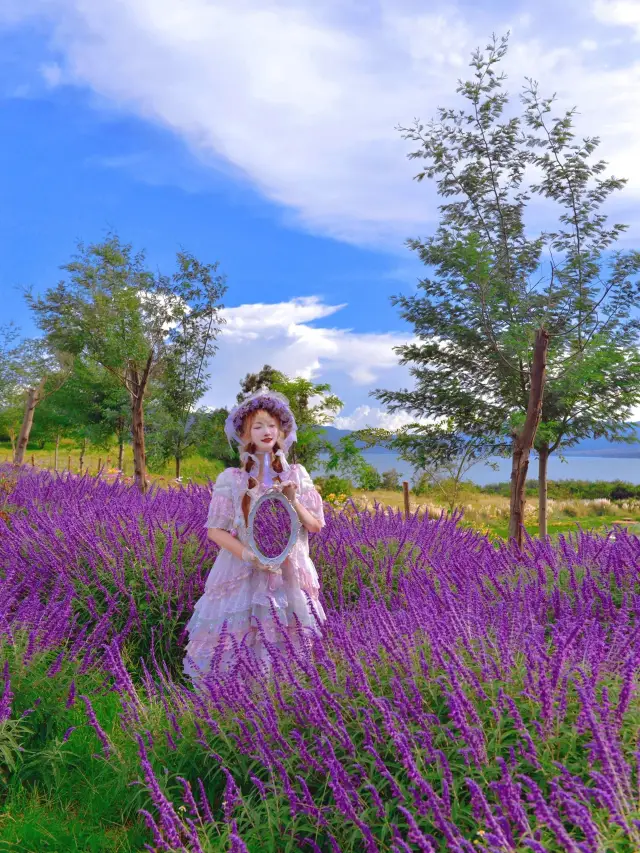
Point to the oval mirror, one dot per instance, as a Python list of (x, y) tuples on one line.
[(273, 528)]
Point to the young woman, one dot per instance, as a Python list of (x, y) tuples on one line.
[(239, 591)]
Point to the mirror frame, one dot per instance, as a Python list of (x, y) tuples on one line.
[(273, 563)]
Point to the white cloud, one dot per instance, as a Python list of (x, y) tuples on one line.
[(618, 13), (280, 334), (301, 100), (369, 416)]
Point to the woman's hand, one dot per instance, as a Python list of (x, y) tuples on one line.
[(249, 557), (290, 492)]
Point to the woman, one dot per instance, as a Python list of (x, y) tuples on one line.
[(239, 590)]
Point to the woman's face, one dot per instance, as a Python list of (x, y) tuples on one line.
[(264, 431)]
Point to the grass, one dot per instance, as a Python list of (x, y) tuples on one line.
[(195, 468)]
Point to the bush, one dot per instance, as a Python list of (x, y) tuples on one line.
[(623, 491), (369, 478), (334, 485), (391, 480)]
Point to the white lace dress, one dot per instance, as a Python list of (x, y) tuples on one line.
[(242, 594)]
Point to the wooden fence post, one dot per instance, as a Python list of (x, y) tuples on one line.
[(405, 490), (68, 463), (33, 461)]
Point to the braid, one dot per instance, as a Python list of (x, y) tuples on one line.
[(248, 465)]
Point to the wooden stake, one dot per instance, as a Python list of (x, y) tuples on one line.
[(33, 461), (405, 490), (69, 463), (99, 463)]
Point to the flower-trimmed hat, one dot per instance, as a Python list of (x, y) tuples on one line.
[(269, 401)]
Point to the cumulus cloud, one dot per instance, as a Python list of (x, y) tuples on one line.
[(301, 100), (371, 416), (282, 335)]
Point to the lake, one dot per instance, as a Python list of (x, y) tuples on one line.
[(575, 468)]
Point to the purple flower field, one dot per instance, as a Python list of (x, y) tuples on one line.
[(464, 696)]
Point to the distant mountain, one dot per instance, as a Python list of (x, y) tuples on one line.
[(586, 447)]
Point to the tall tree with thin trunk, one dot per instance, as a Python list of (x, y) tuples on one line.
[(112, 310), (511, 317), (37, 372), (184, 378)]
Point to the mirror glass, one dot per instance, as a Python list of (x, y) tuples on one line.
[(273, 528)]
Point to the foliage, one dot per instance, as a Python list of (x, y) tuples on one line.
[(346, 459), (86, 407), (581, 489), (495, 278), (185, 374), (391, 480), (137, 325), (9, 333), (334, 485), (369, 478), (210, 439)]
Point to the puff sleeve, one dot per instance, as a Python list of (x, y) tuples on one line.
[(309, 496), (221, 511)]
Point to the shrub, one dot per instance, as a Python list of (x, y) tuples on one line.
[(369, 478), (334, 485)]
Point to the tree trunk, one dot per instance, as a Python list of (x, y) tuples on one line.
[(523, 440), (137, 431), (33, 398), (178, 461), (55, 454), (543, 461), (120, 452), (137, 385), (139, 460), (82, 452)]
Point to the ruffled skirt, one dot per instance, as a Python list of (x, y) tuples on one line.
[(263, 614)]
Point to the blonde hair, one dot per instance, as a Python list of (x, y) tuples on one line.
[(250, 446)]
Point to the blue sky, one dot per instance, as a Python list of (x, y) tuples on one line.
[(262, 134)]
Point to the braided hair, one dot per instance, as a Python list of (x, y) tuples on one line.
[(251, 448)]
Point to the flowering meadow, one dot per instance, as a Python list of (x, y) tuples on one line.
[(464, 696)]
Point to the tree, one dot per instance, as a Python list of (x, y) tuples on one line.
[(209, 437), (114, 312), (313, 406), (391, 480), (90, 408), (185, 374), (369, 478), (8, 335), (37, 371), (509, 317), (346, 458), (10, 393)]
